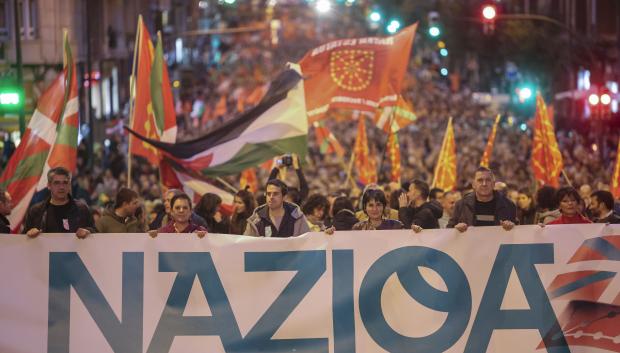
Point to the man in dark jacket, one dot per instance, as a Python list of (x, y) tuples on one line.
[(6, 206), (122, 217), (483, 207), (277, 218), (60, 213), (415, 210), (602, 208)]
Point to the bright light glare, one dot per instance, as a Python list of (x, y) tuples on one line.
[(605, 99), (525, 94), (489, 12), (375, 16), (434, 31), (323, 6), (593, 99)]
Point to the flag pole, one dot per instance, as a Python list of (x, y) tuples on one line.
[(132, 97), (567, 179), (390, 131), (226, 184)]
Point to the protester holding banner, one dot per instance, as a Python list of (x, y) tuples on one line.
[(164, 218), (343, 214), (60, 213), (277, 218), (5, 210), (244, 205), (570, 207), (373, 205), (526, 210), (483, 207), (181, 211), (547, 205)]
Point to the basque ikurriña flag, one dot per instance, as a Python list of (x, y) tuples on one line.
[(591, 321), (277, 125)]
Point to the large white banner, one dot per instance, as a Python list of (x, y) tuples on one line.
[(531, 289)]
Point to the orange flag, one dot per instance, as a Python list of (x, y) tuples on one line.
[(326, 141), (547, 162), (615, 179), (397, 117), (248, 178), (356, 73), (366, 168), (445, 170), (393, 148), (488, 151)]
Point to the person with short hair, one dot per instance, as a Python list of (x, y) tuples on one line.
[(164, 218), (180, 213), (315, 209), (414, 209), (484, 206), (277, 218), (448, 201), (373, 204), (602, 207), (546, 205), (59, 213), (526, 210), (343, 214), (570, 207), (6, 205), (121, 218), (209, 209)]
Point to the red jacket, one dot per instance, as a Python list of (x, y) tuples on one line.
[(576, 219)]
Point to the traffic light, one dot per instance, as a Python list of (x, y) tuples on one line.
[(434, 27), (393, 26), (11, 99), (599, 102), (489, 14)]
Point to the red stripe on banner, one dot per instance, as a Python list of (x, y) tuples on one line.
[(613, 240), (566, 278), (585, 253)]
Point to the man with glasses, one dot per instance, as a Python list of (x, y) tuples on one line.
[(60, 213)]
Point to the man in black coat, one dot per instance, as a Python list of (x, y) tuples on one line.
[(483, 207), (6, 206), (60, 213), (415, 210)]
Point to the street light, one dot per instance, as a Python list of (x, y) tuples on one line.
[(375, 16), (443, 52), (489, 12), (394, 26), (525, 93), (593, 99), (434, 31), (323, 6)]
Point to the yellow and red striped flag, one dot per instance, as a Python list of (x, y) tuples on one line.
[(393, 149), (394, 118), (366, 167), (547, 162), (445, 170), (488, 151), (615, 179)]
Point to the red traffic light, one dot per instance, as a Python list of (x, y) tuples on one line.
[(489, 12), (593, 99)]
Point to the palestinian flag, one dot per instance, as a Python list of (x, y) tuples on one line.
[(153, 113), (277, 125), (49, 141)]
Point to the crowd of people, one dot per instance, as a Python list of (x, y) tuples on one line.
[(322, 198), (412, 206)]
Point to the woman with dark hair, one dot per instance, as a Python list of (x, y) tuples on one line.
[(570, 207), (547, 205), (343, 214), (180, 212), (209, 208), (315, 209), (244, 205), (526, 210), (373, 205)]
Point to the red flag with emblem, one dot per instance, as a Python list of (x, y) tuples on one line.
[(356, 73), (445, 170), (488, 151)]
